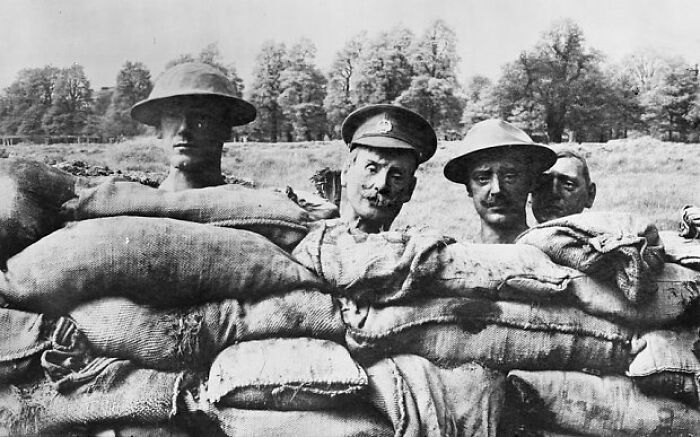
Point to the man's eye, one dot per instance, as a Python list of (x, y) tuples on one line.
[(397, 178), (371, 168), (511, 177)]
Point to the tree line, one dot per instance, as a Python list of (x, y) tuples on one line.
[(560, 89)]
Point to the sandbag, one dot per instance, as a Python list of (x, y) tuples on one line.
[(191, 337), (120, 393), (159, 261), (354, 421), (667, 366), (590, 405), (30, 202), (501, 335), (680, 250), (677, 293), (285, 374), (392, 266), (266, 212), (422, 399), (23, 336), (609, 246)]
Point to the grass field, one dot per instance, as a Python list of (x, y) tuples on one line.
[(643, 176)]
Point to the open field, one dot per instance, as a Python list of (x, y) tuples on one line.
[(642, 176)]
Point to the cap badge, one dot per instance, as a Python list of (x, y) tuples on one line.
[(384, 126)]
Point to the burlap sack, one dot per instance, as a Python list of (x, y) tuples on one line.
[(422, 399), (30, 202), (500, 335), (589, 405), (677, 293), (159, 261), (266, 212), (23, 336), (354, 421), (121, 393), (285, 374), (667, 366), (191, 337), (614, 246), (679, 250), (392, 266)]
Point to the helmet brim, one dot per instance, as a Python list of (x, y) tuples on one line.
[(456, 170), (149, 111)]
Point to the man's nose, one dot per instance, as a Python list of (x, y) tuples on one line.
[(380, 181), (184, 128), (495, 187), (555, 188)]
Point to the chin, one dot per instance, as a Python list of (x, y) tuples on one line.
[(500, 220)]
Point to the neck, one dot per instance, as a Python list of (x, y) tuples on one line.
[(501, 235), (178, 180)]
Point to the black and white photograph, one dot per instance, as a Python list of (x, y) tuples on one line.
[(336, 218)]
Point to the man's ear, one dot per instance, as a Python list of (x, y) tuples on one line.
[(343, 176), (408, 193), (591, 195), (469, 191)]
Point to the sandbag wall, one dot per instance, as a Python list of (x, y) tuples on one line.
[(135, 311), (633, 276), (611, 308), (150, 312)]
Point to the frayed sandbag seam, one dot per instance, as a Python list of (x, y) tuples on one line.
[(661, 369), (558, 329), (250, 221)]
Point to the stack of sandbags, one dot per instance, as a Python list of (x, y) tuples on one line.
[(505, 306), (152, 301), (490, 307), (620, 279)]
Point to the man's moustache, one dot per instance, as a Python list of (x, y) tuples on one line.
[(380, 200)]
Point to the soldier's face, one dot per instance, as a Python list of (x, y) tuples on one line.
[(562, 190), (194, 134), (379, 181), (499, 184)]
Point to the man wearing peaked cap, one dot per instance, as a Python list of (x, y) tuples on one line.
[(499, 165), (194, 107), (387, 143)]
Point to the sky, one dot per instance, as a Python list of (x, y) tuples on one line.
[(101, 35)]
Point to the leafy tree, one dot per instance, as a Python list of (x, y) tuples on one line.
[(481, 103), (71, 103), (341, 98), (671, 108), (303, 90), (266, 89), (434, 92), (26, 100), (133, 85), (435, 53), (547, 82), (439, 101), (386, 70)]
